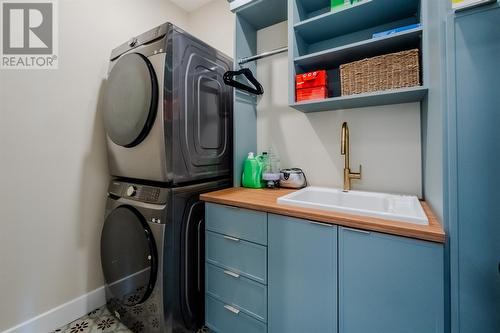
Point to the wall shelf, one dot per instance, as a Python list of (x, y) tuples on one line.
[(368, 48), (360, 16), (386, 97), (322, 39), (263, 13)]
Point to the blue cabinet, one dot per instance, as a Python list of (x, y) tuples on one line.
[(389, 284), (237, 222), (302, 258), (250, 296), (235, 270), (224, 318), (474, 177), (315, 277), (237, 255)]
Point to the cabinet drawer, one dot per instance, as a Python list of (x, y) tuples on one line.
[(239, 256), (242, 293), (237, 222), (222, 318)]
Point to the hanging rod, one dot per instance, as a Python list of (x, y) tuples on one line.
[(262, 55)]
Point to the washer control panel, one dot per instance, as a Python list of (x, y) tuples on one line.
[(142, 193), (149, 194)]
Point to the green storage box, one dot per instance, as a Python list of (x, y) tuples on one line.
[(336, 4), (339, 4)]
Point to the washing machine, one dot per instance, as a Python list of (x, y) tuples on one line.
[(167, 112), (152, 254)]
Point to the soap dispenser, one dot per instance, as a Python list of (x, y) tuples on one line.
[(271, 170)]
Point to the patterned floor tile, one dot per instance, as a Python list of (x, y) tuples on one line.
[(80, 326), (102, 321), (97, 321)]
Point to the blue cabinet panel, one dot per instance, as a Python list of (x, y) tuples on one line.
[(476, 230), (389, 284), (242, 257), (302, 276), (242, 293), (222, 318), (241, 223)]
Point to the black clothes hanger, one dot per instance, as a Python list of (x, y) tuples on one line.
[(257, 89)]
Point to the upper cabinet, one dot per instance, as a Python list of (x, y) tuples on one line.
[(389, 284), (324, 39)]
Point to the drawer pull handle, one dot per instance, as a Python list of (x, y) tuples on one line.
[(320, 223), (357, 230), (231, 238), (232, 274), (232, 309)]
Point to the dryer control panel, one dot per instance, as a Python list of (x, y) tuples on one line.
[(136, 192)]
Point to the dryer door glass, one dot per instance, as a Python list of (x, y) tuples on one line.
[(129, 257), (130, 100)]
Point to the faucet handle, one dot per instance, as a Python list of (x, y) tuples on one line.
[(357, 175)]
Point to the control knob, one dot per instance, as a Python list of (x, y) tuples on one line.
[(131, 191)]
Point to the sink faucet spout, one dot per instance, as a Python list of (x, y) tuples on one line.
[(344, 150)]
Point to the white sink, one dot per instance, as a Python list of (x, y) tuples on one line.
[(379, 205)]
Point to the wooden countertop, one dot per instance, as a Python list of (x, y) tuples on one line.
[(265, 200)]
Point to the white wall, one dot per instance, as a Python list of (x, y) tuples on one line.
[(385, 140), (214, 24), (53, 168)]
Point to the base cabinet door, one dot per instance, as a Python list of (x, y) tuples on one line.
[(302, 280), (389, 284)]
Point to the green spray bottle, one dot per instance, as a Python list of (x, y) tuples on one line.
[(252, 171)]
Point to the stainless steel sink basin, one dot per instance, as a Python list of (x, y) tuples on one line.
[(379, 205)]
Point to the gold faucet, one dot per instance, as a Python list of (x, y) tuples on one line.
[(344, 150)]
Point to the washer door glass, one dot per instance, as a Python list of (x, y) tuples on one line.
[(130, 100), (129, 256)]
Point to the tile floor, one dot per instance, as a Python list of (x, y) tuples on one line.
[(97, 321)]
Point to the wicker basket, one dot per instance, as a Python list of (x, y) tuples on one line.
[(389, 71)]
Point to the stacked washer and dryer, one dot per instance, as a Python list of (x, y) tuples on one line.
[(168, 119)]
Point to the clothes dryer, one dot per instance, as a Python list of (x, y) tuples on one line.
[(167, 112)]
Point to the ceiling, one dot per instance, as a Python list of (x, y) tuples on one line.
[(190, 5)]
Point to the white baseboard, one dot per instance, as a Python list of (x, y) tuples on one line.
[(62, 314)]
